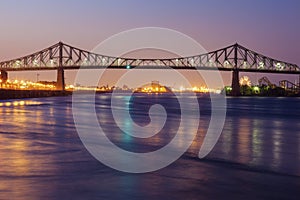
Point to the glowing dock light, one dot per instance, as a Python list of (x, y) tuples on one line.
[(128, 67)]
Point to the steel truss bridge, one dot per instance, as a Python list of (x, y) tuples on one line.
[(235, 58)]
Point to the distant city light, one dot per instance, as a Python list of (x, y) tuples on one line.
[(27, 85), (245, 81), (256, 89), (154, 87)]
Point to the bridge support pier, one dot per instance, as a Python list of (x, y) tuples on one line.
[(60, 84), (235, 85), (3, 76)]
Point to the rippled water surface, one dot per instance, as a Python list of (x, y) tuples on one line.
[(257, 155)]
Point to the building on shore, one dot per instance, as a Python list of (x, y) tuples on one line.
[(154, 87)]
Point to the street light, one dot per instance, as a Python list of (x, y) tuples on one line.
[(37, 77)]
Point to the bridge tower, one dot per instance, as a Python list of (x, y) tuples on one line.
[(60, 84), (3, 76), (235, 84)]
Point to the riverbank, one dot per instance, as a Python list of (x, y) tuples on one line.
[(20, 94)]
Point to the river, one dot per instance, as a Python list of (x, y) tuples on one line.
[(257, 155)]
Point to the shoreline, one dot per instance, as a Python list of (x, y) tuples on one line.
[(22, 94)]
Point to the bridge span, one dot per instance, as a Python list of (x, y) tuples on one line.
[(234, 58)]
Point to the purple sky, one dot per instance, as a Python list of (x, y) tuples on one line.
[(267, 26)]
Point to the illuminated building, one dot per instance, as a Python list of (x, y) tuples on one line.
[(154, 87)]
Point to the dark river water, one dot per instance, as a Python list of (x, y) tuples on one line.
[(256, 157)]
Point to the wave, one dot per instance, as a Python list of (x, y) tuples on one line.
[(237, 166)]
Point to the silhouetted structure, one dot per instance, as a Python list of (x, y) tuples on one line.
[(3, 76), (235, 58)]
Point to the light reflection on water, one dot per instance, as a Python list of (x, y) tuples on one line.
[(38, 139), (19, 103), (262, 138)]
